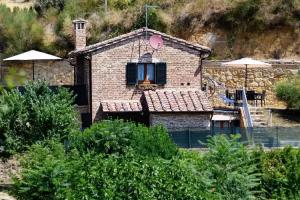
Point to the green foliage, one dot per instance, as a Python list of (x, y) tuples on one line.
[(92, 168), (280, 171), (289, 91), (154, 21), (107, 162), (242, 17), (231, 168), (48, 173), (36, 115), (42, 5), (121, 4), (119, 137), (20, 30)]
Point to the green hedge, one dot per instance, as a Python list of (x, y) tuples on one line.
[(36, 115), (119, 137)]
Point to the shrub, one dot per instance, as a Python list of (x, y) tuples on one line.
[(119, 137), (43, 172), (37, 114), (289, 92), (48, 172), (231, 168), (280, 171), (105, 163)]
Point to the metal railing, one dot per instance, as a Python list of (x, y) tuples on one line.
[(246, 110)]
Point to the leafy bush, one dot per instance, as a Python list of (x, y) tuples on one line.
[(43, 170), (289, 91), (90, 169), (280, 171), (37, 114), (119, 137), (111, 161), (231, 168)]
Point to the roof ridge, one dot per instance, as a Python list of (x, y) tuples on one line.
[(136, 32)]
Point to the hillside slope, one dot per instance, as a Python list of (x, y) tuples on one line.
[(232, 28)]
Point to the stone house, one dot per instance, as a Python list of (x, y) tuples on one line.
[(126, 78)]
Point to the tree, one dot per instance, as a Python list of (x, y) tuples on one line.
[(289, 92)]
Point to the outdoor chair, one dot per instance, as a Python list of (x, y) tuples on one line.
[(261, 97), (238, 95), (251, 96)]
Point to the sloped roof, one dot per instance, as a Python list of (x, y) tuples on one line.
[(177, 101), (121, 106), (141, 32)]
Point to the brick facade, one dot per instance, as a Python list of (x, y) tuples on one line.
[(102, 68), (109, 70), (80, 33)]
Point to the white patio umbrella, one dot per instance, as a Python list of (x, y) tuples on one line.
[(32, 56), (248, 63)]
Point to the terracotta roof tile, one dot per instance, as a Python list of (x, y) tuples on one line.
[(190, 100), (121, 106)]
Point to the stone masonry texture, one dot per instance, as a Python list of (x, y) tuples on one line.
[(181, 120), (54, 72), (259, 79)]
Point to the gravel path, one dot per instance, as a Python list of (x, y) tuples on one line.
[(7, 168)]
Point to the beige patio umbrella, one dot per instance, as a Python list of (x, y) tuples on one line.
[(248, 63), (32, 56)]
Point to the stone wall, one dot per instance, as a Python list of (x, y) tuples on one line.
[(175, 121), (54, 72), (109, 69), (259, 79)]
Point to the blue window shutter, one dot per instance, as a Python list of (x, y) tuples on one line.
[(131, 73), (161, 73)]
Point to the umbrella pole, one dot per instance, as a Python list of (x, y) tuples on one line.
[(33, 70), (246, 76)]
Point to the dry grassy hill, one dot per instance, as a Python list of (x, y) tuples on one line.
[(232, 28)]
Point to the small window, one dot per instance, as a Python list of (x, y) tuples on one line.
[(141, 73), (150, 72), (146, 73)]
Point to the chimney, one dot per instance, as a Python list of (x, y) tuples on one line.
[(80, 33)]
